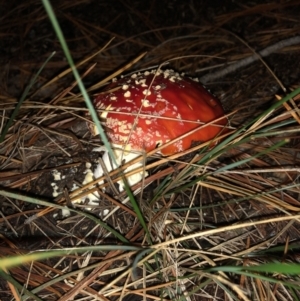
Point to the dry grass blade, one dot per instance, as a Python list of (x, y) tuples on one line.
[(117, 73), (207, 208)]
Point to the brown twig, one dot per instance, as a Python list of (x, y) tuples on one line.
[(249, 60)]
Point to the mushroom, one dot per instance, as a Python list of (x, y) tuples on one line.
[(147, 110)]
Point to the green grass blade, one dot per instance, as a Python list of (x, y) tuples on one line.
[(33, 200), (60, 36), (282, 268), (22, 99), (11, 261), (17, 285), (138, 212), (238, 163)]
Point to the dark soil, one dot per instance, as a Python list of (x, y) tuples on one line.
[(184, 32)]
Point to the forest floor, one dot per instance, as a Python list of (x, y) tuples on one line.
[(245, 215)]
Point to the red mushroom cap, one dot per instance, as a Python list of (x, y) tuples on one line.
[(151, 108)]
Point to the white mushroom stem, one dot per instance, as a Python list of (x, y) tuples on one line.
[(121, 157)]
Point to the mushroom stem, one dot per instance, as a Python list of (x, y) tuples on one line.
[(122, 156)]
